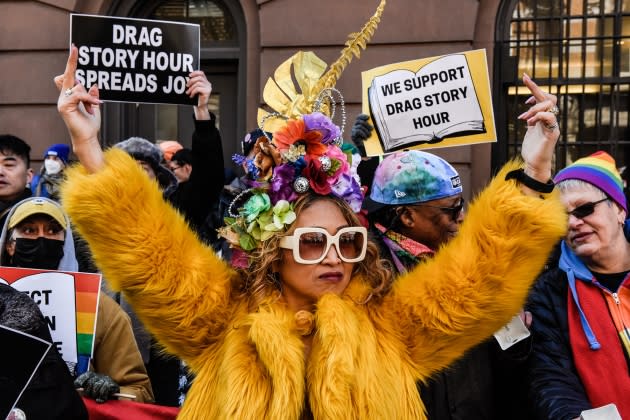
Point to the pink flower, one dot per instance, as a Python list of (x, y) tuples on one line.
[(335, 153)]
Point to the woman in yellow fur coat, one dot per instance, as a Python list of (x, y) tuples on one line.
[(315, 327)]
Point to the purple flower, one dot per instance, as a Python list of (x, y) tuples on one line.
[(248, 164), (348, 189), (323, 124), (238, 159), (281, 185)]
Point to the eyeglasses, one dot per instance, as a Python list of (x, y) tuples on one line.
[(174, 168), (453, 212), (310, 245), (586, 209)]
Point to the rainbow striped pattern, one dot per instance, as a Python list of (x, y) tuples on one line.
[(600, 170), (86, 294)]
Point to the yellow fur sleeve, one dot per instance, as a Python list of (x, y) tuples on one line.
[(475, 284), (178, 287)]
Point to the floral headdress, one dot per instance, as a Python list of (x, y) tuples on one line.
[(305, 151)]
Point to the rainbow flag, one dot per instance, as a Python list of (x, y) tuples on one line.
[(87, 289), (69, 303)]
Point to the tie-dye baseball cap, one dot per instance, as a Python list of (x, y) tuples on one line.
[(412, 177)]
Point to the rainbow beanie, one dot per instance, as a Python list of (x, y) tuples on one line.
[(600, 170)]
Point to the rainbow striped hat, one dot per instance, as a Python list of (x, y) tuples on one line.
[(600, 170)]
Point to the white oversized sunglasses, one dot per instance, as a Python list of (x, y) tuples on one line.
[(310, 245)]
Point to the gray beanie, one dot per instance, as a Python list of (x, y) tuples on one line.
[(142, 149)]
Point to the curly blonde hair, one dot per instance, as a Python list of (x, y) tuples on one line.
[(262, 284)]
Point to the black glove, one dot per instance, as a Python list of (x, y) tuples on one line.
[(96, 386), (361, 130)]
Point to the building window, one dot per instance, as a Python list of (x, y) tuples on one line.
[(580, 51), (216, 23), (217, 29)]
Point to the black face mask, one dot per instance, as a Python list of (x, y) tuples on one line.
[(42, 253)]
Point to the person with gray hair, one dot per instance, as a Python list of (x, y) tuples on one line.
[(581, 351)]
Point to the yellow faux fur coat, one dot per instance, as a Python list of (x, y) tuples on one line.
[(365, 358)]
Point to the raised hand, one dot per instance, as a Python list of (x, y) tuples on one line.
[(361, 131), (199, 85), (80, 111), (542, 131)]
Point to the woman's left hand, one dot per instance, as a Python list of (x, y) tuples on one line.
[(542, 132)]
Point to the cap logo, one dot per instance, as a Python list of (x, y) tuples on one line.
[(400, 194), (456, 182)]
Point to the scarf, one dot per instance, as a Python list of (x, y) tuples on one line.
[(405, 252), (50, 184), (604, 371)]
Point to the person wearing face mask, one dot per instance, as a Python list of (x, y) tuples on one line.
[(47, 182), (37, 234)]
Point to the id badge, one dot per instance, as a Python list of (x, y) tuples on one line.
[(512, 333), (606, 412)]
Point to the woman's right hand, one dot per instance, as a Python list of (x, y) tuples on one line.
[(542, 132), (80, 111)]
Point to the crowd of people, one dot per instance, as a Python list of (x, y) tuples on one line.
[(321, 294)]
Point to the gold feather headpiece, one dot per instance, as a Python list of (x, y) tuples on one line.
[(315, 85)]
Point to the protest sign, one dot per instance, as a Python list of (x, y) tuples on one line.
[(20, 356), (135, 60), (433, 102), (69, 303)]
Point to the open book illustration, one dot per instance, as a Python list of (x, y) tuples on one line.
[(436, 102)]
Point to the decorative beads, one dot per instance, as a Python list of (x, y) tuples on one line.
[(236, 200), (327, 95), (300, 185), (326, 163), (261, 124)]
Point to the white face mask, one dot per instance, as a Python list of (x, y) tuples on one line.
[(53, 167)]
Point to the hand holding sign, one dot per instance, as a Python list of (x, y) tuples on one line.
[(198, 85), (97, 386)]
